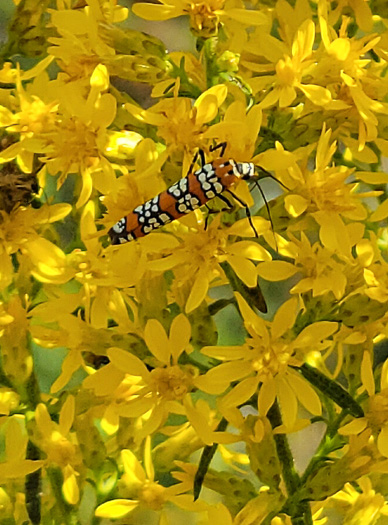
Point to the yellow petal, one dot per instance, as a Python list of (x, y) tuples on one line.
[(288, 403), (70, 487), (207, 110), (199, 422), (295, 205), (41, 250), (384, 376), (381, 213), (315, 333), (251, 319), (133, 469), (110, 420), (126, 362), (15, 442), (157, 341), (209, 385), (100, 78), (54, 213), (247, 16), (11, 152), (117, 508), (367, 374), (244, 269), (87, 186), (339, 48), (75, 22), (180, 334), (104, 110), (276, 270), (317, 94), (333, 232), (198, 292), (305, 393), (382, 441), (267, 395), (239, 394), (99, 313), (7, 118), (243, 228), (250, 250), (275, 159), (354, 427), (220, 92), (284, 318), (66, 416), (156, 11)]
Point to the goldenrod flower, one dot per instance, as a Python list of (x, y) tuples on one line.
[(365, 506), (179, 123), (205, 16), (196, 260), (376, 416), (267, 359), (60, 445), (15, 465), (345, 66), (141, 488), (291, 67), (325, 196), (137, 391)]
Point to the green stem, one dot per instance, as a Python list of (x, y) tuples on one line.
[(291, 478), (62, 510), (204, 463), (33, 487), (299, 511)]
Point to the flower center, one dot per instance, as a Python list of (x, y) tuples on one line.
[(151, 495), (170, 383), (286, 72)]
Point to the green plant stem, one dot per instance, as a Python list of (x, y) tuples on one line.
[(299, 511)]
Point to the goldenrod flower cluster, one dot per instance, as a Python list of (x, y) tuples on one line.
[(168, 379)]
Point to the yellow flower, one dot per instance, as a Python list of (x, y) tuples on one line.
[(60, 445), (141, 487), (138, 391), (78, 142), (362, 12), (291, 67), (72, 136), (268, 358), (17, 360), (180, 123), (376, 279), (350, 76), (197, 258), (9, 400), (324, 194), (79, 47), (376, 416), (205, 15), (15, 465), (240, 129), (365, 506), (322, 272), (35, 117), (89, 36)]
